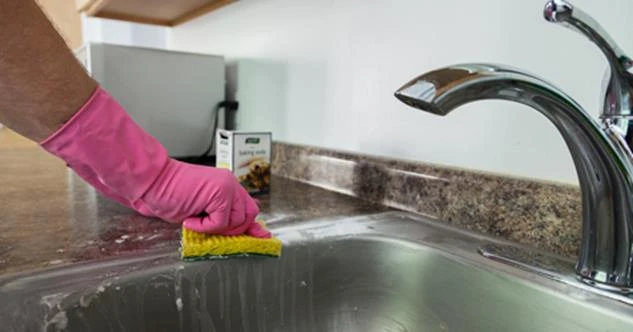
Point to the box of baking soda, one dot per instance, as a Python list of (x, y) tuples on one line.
[(248, 155)]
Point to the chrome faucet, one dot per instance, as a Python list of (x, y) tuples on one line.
[(601, 150)]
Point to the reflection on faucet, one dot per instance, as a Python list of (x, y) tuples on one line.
[(601, 152), (617, 86)]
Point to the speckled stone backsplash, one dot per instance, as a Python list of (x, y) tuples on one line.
[(543, 215)]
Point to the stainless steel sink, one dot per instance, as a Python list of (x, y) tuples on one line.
[(386, 272)]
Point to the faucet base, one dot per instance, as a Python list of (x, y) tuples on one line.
[(610, 288), (553, 267)]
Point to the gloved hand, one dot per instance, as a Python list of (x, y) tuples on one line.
[(105, 147)]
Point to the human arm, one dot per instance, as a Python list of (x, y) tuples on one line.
[(47, 96)]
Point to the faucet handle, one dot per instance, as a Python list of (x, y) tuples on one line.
[(618, 85)]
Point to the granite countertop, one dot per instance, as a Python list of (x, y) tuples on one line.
[(541, 214), (49, 216)]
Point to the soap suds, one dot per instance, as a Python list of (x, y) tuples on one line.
[(53, 300), (59, 322), (152, 237)]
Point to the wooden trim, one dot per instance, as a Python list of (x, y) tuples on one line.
[(200, 11), (95, 6), (82, 5), (98, 8), (132, 18)]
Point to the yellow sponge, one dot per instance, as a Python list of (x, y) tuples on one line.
[(197, 246)]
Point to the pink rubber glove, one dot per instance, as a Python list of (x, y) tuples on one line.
[(105, 147)]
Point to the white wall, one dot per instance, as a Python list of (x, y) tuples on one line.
[(123, 33), (323, 72)]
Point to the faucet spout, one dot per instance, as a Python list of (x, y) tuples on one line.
[(603, 166)]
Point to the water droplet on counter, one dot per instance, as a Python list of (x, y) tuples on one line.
[(303, 283), (179, 304)]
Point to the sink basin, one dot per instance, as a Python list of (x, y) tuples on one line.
[(392, 271)]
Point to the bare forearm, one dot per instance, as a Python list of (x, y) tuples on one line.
[(41, 83)]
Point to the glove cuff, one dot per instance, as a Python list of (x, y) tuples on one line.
[(103, 137)]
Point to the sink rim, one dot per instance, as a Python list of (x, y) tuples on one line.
[(393, 226)]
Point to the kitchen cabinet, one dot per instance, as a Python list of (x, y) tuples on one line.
[(160, 12), (65, 18), (10, 140)]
